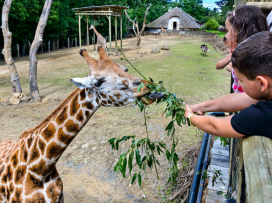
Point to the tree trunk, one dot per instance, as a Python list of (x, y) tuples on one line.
[(16, 86), (138, 42), (34, 91)]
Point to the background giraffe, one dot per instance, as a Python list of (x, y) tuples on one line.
[(163, 30), (100, 39), (28, 166)]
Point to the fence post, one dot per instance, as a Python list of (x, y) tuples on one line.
[(58, 44), (49, 46), (72, 42), (75, 42), (23, 50), (18, 50), (68, 43)]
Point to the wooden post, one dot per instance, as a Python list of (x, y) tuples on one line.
[(88, 42), (241, 177), (94, 33), (68, 43), (72, 42), (58, 44), (79, 29), (257, 153), (121, 36), (49, 46), (75, 42), (18, 50), (116, 50), (110, 31)]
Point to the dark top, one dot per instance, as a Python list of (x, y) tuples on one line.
[(254, 120)]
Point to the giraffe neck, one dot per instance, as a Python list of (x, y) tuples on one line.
[(46, 142), (97, 33)]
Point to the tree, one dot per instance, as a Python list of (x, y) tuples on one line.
[(16, 86), (138, 33), (34, 91), (212, 24)]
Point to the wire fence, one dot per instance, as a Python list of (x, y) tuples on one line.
[(51, 45)]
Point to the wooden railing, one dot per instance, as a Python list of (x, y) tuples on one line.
[(256, 160)]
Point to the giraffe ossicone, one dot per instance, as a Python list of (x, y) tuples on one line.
[(28, 166)]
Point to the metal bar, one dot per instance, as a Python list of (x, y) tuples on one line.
[(79, 29), (116, 36), (97, 11), (88, 42), (97, 14), (94, 34)]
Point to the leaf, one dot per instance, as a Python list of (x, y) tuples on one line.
[(133, 178), (162, 145), (138, 158), (124, 166), (169, 113), (158, 162), (139, 179), (117, 144), (144, 166), (130, 159), (116, 168), (168, 155), (150, 162), (140, 87)]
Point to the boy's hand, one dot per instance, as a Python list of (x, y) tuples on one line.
[(188, 111), (195, 109)]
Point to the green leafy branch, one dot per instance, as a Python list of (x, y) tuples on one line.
[(150, 149)]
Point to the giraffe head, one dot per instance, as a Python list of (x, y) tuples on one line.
[(110, 81), (91, 27)]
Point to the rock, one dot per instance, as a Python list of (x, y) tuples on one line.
[(155, 50), (93, 148), (25, 99), (16, 95), (143, 196), (22, 95), (85, 145), (2, 100), (142, 52), (165, 47), (14, 100)]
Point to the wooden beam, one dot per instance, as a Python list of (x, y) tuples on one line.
[(116, 50), (88, 41), (79, 30), (121, 34), (257, 153), (110, 32), (267, 5)]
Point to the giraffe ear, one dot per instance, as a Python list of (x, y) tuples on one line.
[(122, 67), (102, 53), (82, 83)]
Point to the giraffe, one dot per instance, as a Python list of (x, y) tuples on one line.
[(28, 166), (163, 30), (100, 39)]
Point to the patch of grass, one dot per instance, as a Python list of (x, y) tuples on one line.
[(220, 34)]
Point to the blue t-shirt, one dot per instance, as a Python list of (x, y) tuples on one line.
[(254, 120)]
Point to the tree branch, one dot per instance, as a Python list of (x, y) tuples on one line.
[(146, 12)]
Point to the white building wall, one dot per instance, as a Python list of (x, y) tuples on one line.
[(171, 22)]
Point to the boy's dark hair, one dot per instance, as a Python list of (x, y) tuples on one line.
[(253, 56), (247, 21)]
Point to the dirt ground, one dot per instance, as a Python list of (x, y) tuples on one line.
[(86, 167)]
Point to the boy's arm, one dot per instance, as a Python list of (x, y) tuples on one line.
[(228, 103), (215, 126), (222, 63), (229, 67)]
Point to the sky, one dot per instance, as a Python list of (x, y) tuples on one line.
[(210, 4)]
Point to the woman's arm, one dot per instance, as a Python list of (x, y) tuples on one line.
[(228, 103), (222, 63)]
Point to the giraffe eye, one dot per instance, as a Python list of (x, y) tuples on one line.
[(99, 82)]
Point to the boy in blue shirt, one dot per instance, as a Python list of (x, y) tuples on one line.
[(252, 62)]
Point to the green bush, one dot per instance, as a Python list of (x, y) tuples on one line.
[(212, 24)]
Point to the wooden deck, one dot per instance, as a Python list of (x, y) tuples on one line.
[(219, 161)]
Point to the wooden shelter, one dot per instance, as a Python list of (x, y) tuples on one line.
[(106, 10)]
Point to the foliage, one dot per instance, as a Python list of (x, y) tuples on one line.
[(220, 34), (224, 141), (212, 24), (143, 148)]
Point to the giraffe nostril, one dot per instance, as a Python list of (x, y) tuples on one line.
[(136, 83)]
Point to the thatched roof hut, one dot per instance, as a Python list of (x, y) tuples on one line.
[(175, 19)]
